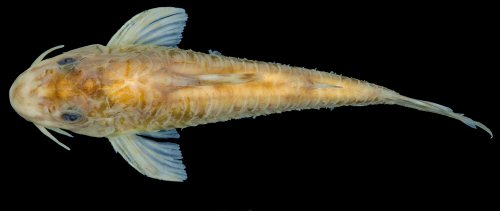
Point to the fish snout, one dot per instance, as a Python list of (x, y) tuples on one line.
[(23, 96)]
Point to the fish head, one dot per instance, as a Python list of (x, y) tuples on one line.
[(60, 93)]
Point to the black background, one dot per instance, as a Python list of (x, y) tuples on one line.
[(356, 156)]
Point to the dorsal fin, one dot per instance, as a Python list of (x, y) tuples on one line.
[(159, 26)]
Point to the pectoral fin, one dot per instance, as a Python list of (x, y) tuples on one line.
[(159, 160), (159, 26)]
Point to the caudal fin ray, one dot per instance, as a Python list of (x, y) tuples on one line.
[(435, 108)]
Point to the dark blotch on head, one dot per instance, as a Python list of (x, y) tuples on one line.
[(66, 61)]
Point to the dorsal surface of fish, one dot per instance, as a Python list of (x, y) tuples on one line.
[(140, 86)]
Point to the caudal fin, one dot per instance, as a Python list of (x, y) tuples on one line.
[(435, 108)]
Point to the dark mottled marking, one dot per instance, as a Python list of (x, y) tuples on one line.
[(191, 55), (17, 90), (249, 77)]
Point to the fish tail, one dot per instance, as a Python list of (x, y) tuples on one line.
[(397, 99)]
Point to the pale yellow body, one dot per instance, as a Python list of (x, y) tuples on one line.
[(163, 88), (149, 88)]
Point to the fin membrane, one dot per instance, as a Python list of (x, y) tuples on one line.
[(161, 26), (438, 109), (159, 160)]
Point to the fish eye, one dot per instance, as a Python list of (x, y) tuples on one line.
[(71, 116), (66, 61)]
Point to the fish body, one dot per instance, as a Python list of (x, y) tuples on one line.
[(140, 86), (150, 88)]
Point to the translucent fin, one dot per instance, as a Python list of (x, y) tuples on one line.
[(47, 133), (436, 108), (165, 134), (44, 54), (159, 160), (214, 52), (159, 26)]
